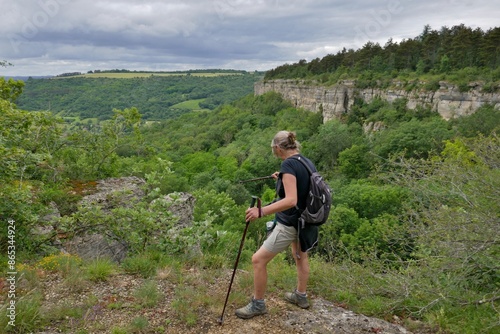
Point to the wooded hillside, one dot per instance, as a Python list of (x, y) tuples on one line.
[(458, 54), (156, 96)]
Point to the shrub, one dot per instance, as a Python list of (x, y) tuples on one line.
[(342, 220), (371, 200), (19, 206), (432, 85), (414, 138), (482, 122), (453, 217), (355, 162), (218, 206), (62, 262)]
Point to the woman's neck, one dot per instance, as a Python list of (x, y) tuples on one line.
[(289, 153)]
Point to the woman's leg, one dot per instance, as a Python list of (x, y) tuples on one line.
[(259, 262), (302, 264)]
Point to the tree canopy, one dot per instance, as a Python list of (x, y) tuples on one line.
[(439, 52)]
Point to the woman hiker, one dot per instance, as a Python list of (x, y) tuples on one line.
[(292, 188)]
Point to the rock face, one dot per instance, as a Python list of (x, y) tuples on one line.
[(334, 101), (114, 193), (106, 190), (182, 207), (91, 246), (328, 318), (109, 194)]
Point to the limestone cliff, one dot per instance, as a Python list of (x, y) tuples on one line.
[(333, 101)]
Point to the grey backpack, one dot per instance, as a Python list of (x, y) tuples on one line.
[(319, 199)]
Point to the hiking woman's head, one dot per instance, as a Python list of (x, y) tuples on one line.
[(285, 141)]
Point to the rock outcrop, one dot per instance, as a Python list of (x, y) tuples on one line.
[(181, 207), (102, 243), (334, 101), (96, 245), (329, 318), (105, 195), (99, 241)]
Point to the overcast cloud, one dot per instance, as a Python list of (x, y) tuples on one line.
[(49, 37)]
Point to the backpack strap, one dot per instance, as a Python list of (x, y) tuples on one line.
[(309, 170), (301, 224), (306, 165), (303, 163)]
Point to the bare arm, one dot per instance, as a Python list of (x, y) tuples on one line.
[(290, 200)]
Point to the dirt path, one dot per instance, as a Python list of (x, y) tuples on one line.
[(112, 304)]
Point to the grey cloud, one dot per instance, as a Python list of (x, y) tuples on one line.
[(77, 35)]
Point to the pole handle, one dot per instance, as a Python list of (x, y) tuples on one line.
[(254, 199)]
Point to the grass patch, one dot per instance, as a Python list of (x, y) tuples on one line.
[(190, 104), (76, 280), (215, 261), (77, 317), (129, 75), (28, 317), (148, 294), (282, 276), (138, 325), (188, 300), (28, 278), (119, 330), (468, 319), (374, 305), (412, 293), (141, 264), (67, 316), (100, 270)]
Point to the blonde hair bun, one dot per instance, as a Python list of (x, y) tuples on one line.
[(286, 140)]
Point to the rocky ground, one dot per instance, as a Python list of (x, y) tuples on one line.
[(114, 306)]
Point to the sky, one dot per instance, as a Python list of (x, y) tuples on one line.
[(50, 37)]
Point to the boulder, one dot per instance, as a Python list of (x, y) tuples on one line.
[(111, 194), (91, 246), (114, 192), (329, 318), (181, 207), (46, 223)]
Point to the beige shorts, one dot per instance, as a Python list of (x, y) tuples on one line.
[(280, 238)]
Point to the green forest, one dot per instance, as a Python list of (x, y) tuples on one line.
[(157, 95), (412, 234), (458, 54)]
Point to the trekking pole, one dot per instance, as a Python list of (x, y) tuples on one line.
[(257, 179), (254, 198)]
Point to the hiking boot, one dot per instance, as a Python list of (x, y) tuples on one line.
[(295, 298), (255, 307)]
